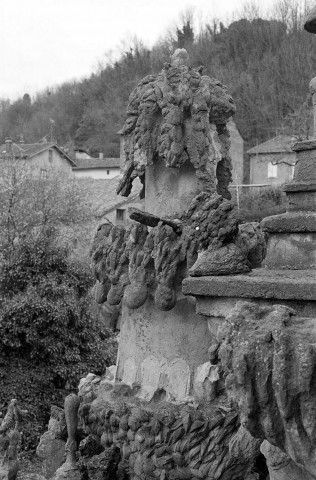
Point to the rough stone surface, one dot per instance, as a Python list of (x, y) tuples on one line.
[(280, 465), (174, 116), (221, 261), (51, 447), (260, 283), (290, 222), (295, 251), (52, 451), (268, 356), (161, 440), (10, 441), (151, 349)]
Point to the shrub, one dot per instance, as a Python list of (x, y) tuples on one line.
[(45, 320), (255, 205)]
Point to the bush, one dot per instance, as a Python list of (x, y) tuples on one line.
[(45, 320), (255, 205)]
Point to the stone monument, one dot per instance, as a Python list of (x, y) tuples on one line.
[(264, 326), (217, 346), (158, 411)]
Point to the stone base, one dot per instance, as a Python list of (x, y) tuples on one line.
[(160, 351), (159, 439), (276, 285)]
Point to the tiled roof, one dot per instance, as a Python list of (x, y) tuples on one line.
[(279, 144), (102, 194), (29, 150), (86, 163)]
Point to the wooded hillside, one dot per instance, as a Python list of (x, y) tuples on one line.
[(266, 64)]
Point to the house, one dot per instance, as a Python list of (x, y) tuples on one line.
[(41, 158), (98, 168), (81, 154), (107, 204), (113, 207), (272, 162)]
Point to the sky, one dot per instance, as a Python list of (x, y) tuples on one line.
[(46, 42)]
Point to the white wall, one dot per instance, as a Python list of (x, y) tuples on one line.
[(97, 173), (42, 162)]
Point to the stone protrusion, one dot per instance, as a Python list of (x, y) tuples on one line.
[(268, 355), (179, 115)]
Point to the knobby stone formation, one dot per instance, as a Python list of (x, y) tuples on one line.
[(10, 441), (175, 119), (180, 116), (163, 413), (268, 356), (265, 349)]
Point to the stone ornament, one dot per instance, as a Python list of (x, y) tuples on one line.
[(268, 356), (51, 447), (10, 441), (69, 470), (207, 239), (179, 115), (163, 441)]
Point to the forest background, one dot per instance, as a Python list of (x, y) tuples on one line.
[(266, 64)]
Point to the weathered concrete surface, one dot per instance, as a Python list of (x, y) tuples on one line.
[(260, 283), (162, 350), (295, 251), (179, 116), (52, 451), (280, 465), (268, 356), (158, 439), (218, 308), (170, 190), (301, 199), (290, 222)]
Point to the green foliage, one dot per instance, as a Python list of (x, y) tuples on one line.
[(45, 317), (49, 338), (255, 205)]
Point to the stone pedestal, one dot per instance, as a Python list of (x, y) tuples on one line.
[(160, 351), (292, 236), (265, 345)]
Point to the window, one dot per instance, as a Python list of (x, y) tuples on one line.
[(43, 174), (50, 156), (272, 170), (108, 172), (120, 215)]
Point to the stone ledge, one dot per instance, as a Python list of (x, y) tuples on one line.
[(290, 222), (260, 283)]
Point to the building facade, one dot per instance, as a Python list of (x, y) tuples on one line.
[(41, 159), (272, 162)]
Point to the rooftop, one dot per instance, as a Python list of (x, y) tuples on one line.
[(87, 163), (278, 144), (29, 150), (103, 197)]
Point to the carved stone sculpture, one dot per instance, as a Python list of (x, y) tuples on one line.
[(51, 448), (268, 355), (179, 115), (69, 469), (10, 440)]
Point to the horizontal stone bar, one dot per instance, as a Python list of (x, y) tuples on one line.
[(290, 222), (260, 283)]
